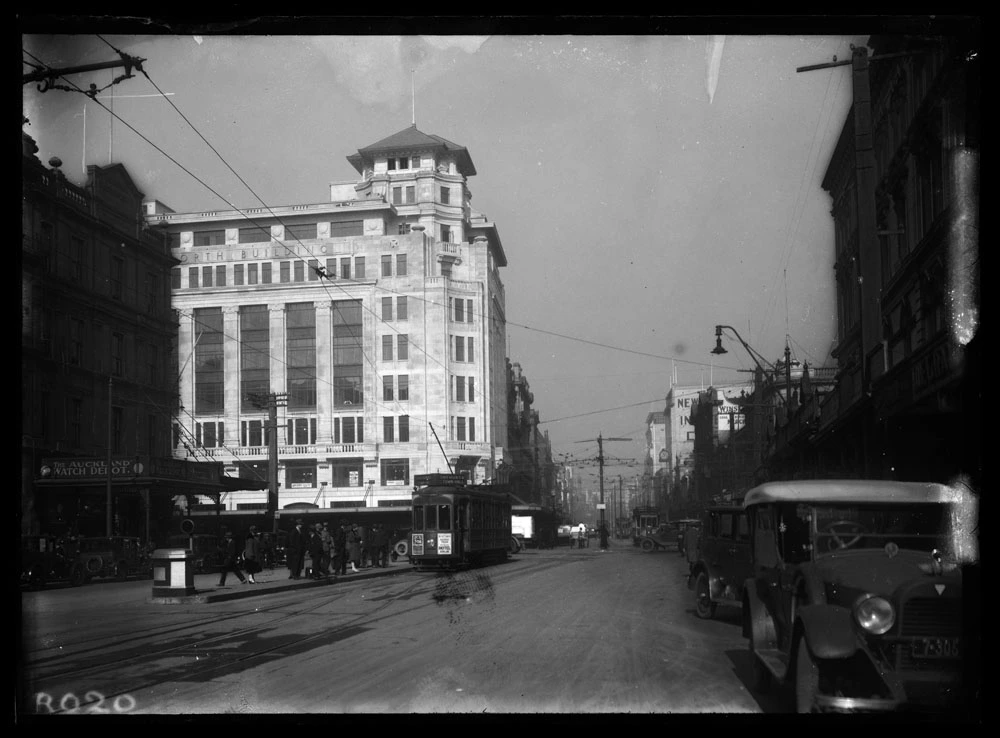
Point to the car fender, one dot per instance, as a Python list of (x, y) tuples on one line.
[(757, 620), (829, 631)]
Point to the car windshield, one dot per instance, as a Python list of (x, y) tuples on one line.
[(921, 527)]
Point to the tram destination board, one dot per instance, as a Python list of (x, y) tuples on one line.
[(439, 480)]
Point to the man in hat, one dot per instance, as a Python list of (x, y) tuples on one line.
[(340, 548), (229, 560), (296, 550)]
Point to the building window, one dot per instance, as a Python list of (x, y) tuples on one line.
[(459, 311), (403, 347), (209, 238), (209, 364), (469, 353), (386, 265), (193, 277), (404, 428), (152, 363), (299, 272), (251, 274), (414, 162), (347, 228), (459, 348), (347, 472), (331, 268), (404, 387), (391, 164), (345, 268), (76, 341), (117, 429), (446, 233), (265, 273), (347, 429), (206, 276), (220, 275), (388, 424), (300, 474), (472, 429), (284, 271), (251, 433), (411, 195), (359, 267), (387, 388), (400, 265), (386, 308), (77, 257), (401, 308), (117, 275), (472, 389), (300, 340), (348, 353), (386, 348), (459, 384), (118, 354), (301, 431), (298, 232), (75, 422), (237, 274), (403, 228), (460, 429), (175, 278), (397, 195), (445, 196), (256, 234), (255, 360), (313, 270), (395, 472)]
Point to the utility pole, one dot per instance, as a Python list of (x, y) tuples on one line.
[(603, 528), (272, 402), (108, 517)]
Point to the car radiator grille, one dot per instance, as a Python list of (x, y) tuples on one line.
[(927, 617)]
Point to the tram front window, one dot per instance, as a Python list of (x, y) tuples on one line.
[(444, 517), (418, 517)]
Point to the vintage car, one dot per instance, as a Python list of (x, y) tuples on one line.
[(856, 594), (721, 565), (103, 557), (46, 558), (682, 526), (661, 538)]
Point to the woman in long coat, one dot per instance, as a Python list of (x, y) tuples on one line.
[(252, 553), (354, 546)]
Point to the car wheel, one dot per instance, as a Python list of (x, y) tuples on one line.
[(703, 598), (647, 545), (402, 548), (94, 564), (77, 576), (806, 679)]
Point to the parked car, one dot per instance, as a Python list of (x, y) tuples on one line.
[(102, 557), (856, 595), (46, 558), (722, 563), (661, 538)]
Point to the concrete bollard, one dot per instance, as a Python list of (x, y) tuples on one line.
[(173, 572)]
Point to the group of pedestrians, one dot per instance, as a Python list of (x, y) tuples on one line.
[(236, 560), (331, 552)]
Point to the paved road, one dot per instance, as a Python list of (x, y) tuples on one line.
[(555, 631)]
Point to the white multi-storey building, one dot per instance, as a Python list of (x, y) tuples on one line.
[(376, 320)]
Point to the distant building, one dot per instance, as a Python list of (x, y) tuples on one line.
[(376, 320)]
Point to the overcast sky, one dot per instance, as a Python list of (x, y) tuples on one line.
[(645, 188)]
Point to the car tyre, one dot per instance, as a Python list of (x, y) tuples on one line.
[(402, 548), (647, 545), (806, 679), (703, 604)]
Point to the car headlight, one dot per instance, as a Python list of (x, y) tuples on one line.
[(875, 614)]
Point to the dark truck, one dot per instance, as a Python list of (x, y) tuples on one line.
[(722, 564)]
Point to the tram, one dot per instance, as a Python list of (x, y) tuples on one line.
[(456, 525)]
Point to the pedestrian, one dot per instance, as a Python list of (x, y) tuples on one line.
[(327, 540), (315, 552), (380, 546), (354, 547), (229, 560), (252, 554), (296, 550), (340, 548)]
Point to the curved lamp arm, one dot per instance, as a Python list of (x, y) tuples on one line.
[(758, 359)]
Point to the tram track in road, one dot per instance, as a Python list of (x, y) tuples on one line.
[(193, 672)]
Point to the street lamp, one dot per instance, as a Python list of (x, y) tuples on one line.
[(719, 349)]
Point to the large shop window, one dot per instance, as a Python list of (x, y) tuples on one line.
[(395, 472), (300, 474)]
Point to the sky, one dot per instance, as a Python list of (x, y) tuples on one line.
[(645, 187)]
